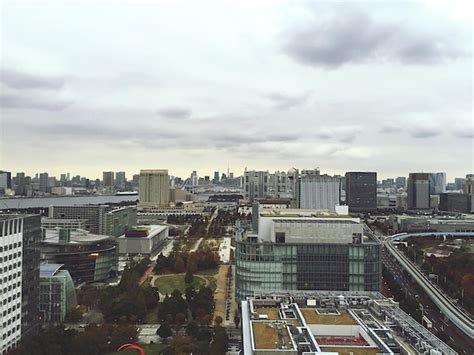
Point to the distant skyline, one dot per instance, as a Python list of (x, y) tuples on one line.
[(380, 175), (91, 86)]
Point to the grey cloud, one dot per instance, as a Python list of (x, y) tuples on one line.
[(425, 132), (467, 132), (21, 80), (389, 128), (344, 134), (284, 102), (15, 101), (175, 112), (354, 36)]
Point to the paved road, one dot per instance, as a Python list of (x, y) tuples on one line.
[(196, 246)]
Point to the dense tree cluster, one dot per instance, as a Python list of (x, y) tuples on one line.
[(223, 219), (128, 302), (93, 340), (178, 262)]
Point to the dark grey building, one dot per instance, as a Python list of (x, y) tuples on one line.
[(361, 191), (418, 191), (454, 202), (30, 275)]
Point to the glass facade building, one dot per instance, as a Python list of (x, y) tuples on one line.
[(57, 294), (271, 266)]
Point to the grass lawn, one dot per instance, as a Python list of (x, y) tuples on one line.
[(167, 284), (150, 349)]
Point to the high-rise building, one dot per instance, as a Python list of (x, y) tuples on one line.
[(361, 191), (154, 188), (43, 182), (256, 184), (216, 177), (108, 178), (418, 191), (401, 182), (469, 189), (7, 176), (20, 184), (304, 250), (120, 178), (459, 183), (19, 256), (437, 183), (318, 192)]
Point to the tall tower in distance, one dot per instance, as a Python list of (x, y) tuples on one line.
[(154, 190), (418, 191)]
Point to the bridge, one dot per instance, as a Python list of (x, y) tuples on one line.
[(448, 307)]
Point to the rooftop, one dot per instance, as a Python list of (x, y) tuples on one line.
[(49, 270), (312, 316)]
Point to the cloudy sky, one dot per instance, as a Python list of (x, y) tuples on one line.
[(87, 86)]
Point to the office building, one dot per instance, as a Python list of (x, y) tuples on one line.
[(120, 178), (455, 202), (299, 249), (44, 182), (469, 189), (256, 184), (361, 191), (8, 177), (154, 188), (216, 177), (437, 183), (324, 322), (318, 192), (282, 184), (88, 257), (108, 179), (20, 283), (459, 183), (401, 182), (99, 219), (57, 295), (63, 223), (143, 240), (11, 239), (418, 191)]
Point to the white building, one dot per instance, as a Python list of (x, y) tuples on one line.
[(144, 240), (318, 192), (11, 237)]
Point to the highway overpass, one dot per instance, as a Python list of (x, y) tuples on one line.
[(448, 307)]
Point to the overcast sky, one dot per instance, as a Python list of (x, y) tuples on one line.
[(88, 86)]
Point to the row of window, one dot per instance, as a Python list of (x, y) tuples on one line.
[(11, 276), (9, 247), (10, 332), (11, 309), (11, 320), (10, 257), (11, 267), (10, 287), (11, 298)]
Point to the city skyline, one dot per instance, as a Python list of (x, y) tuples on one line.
[(341, 172), (264, 85)]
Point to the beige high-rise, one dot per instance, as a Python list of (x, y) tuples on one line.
[(154, 188)]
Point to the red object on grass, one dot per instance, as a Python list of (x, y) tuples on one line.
[(136, 347)]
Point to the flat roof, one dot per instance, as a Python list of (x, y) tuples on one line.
[(352, 350), (311, 316), (271, 335)]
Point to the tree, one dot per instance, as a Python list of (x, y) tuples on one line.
[(179, 264), (188, 277), (164, 331), (218, 321), (220, 342), (192, 329)]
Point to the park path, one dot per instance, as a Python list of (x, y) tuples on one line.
[(147, 274), (196, 246)]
